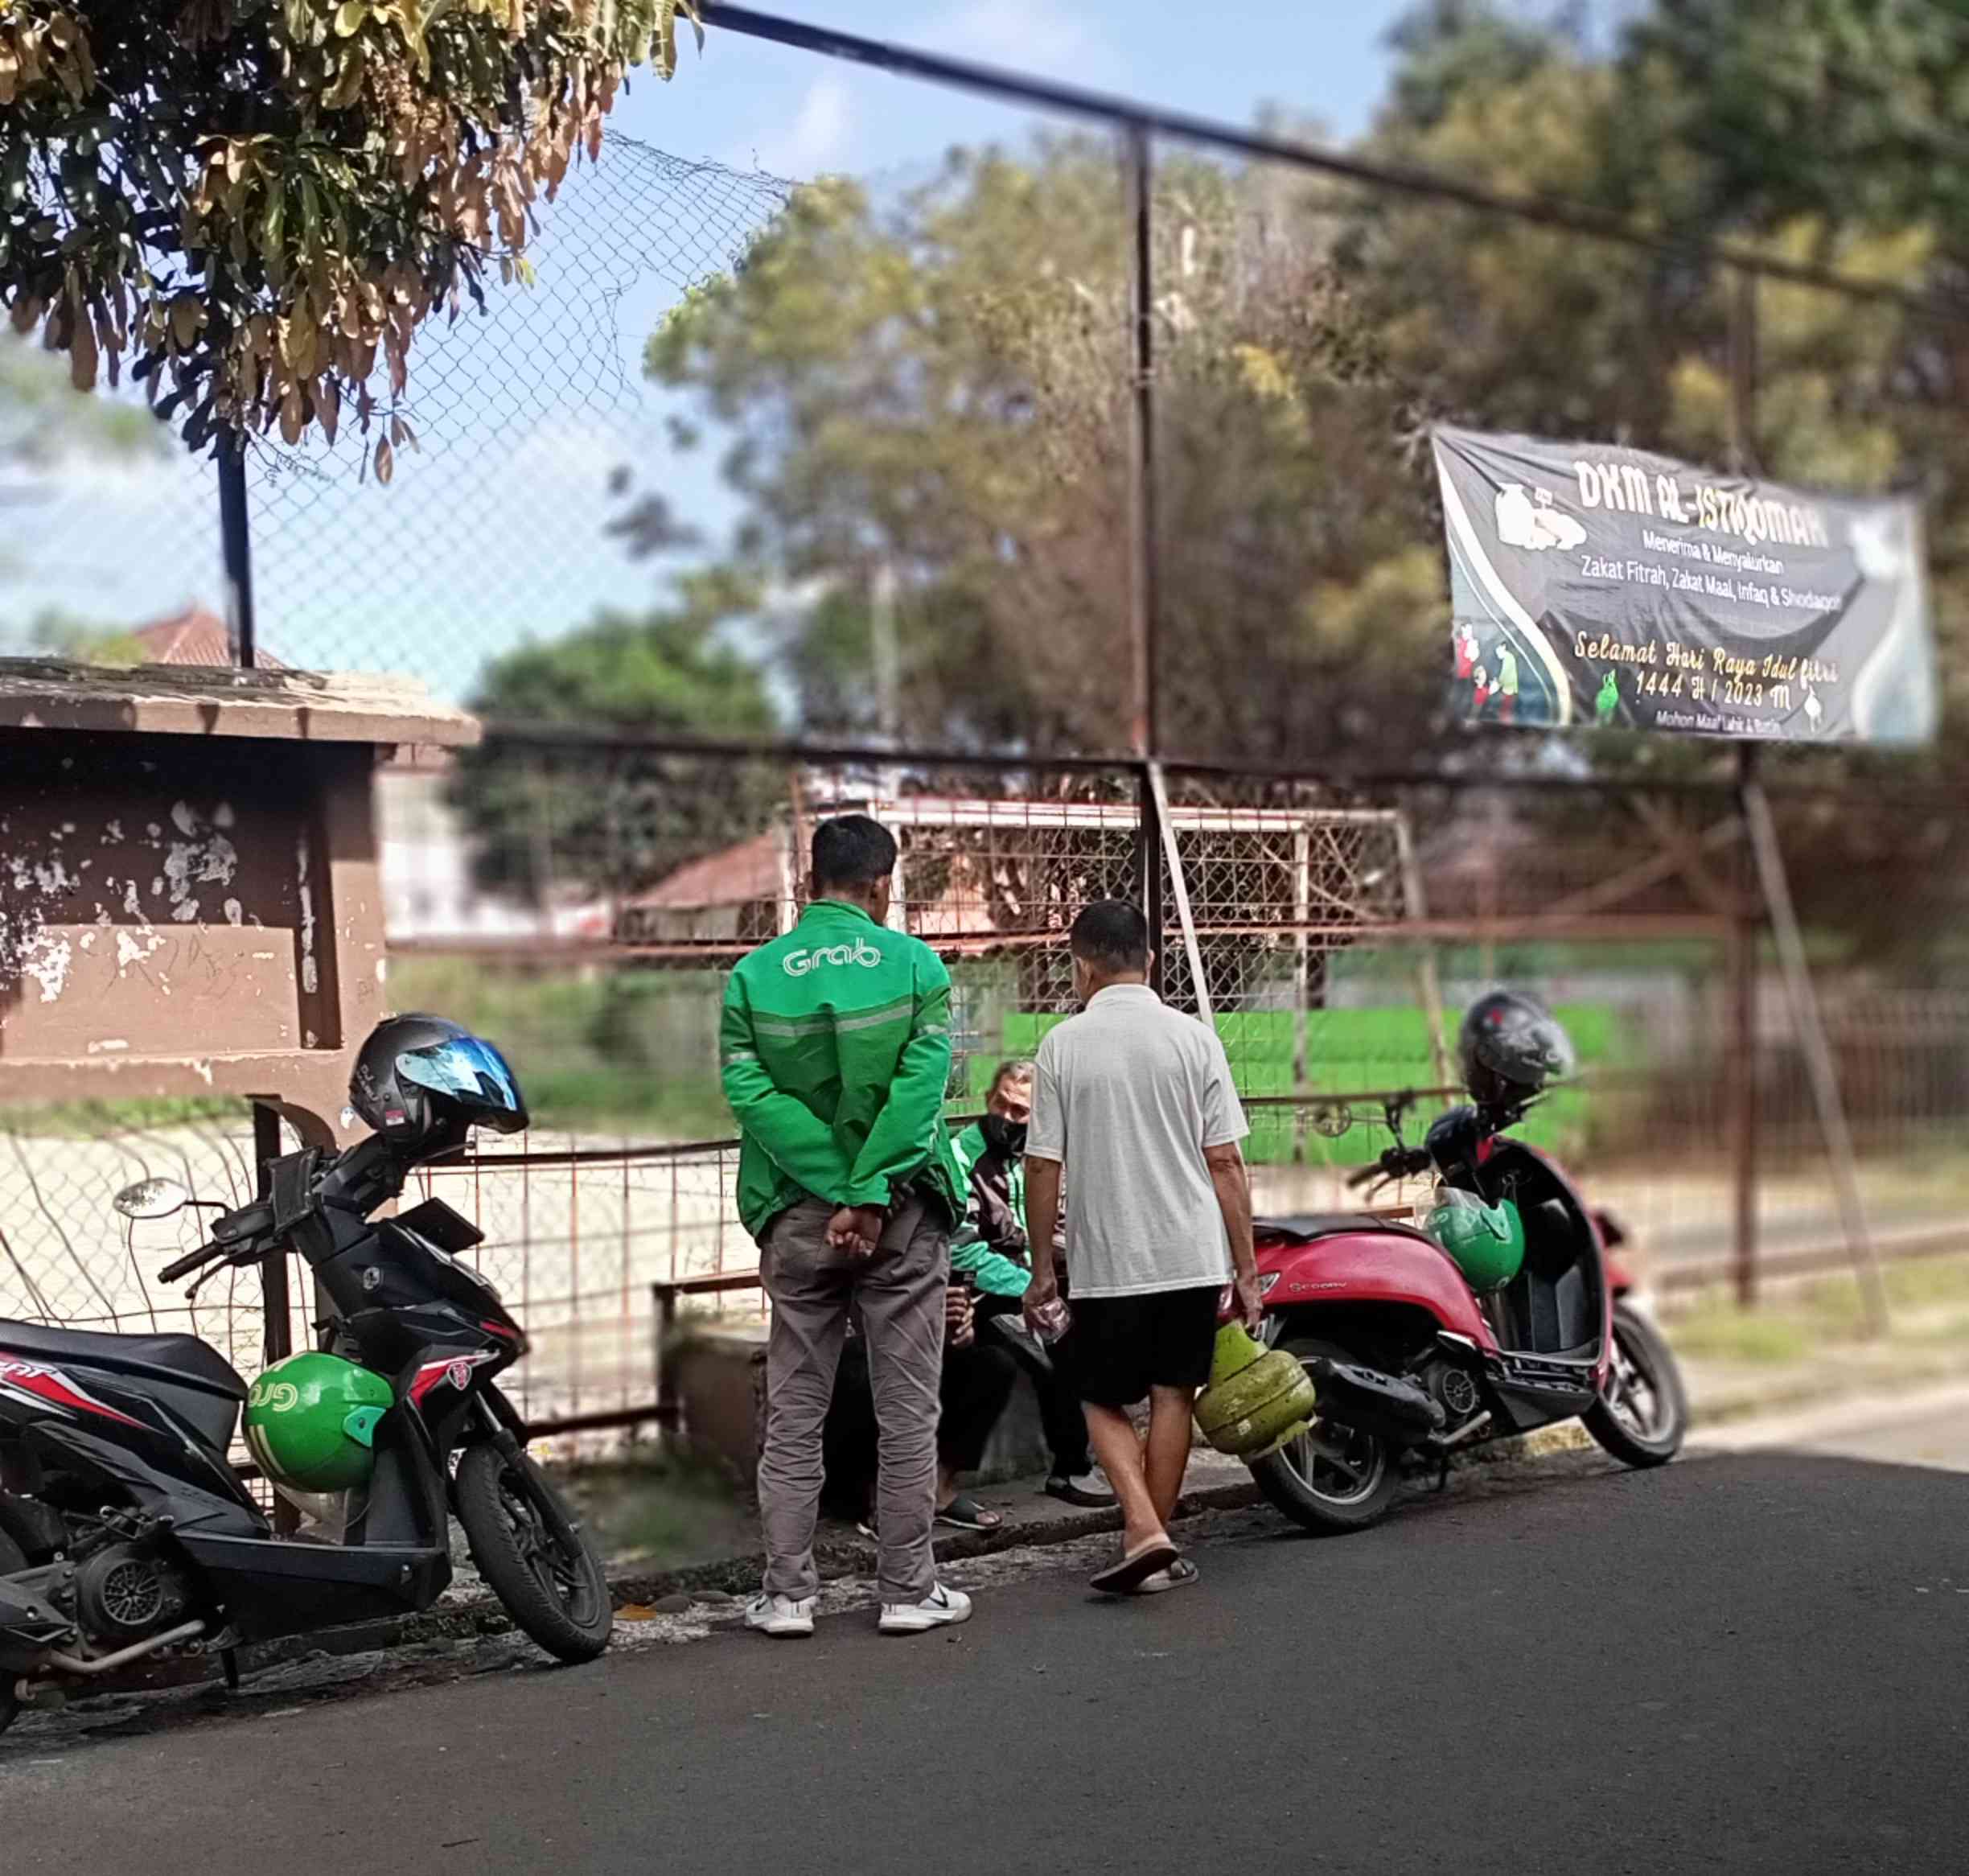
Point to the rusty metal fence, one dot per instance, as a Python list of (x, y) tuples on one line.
[(1333, 927), (581, 1234)]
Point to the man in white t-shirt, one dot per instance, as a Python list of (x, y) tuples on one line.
[(1134, 1102)]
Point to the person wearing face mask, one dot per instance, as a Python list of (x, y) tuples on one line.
[(994, 1249)]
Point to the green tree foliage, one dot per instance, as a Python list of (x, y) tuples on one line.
[(41, 420), (545, 824), (255, 201), (61, 635), (941, 390)]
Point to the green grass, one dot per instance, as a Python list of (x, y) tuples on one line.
[(1717, 1331), (89, 1120), (1348, 1052), (603, 1051), (1928, 1301), (636, 1051)]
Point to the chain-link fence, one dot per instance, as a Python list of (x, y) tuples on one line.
[(520, 501)]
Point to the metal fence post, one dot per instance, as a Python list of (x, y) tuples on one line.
[(276, 1333), (1740, 1073), (236, 541), (1144, 732), (1149, 858), (1740, 1068)]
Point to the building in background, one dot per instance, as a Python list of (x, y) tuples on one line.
[(430, 899)]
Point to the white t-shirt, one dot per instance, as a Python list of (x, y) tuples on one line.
[(1127, 1095)]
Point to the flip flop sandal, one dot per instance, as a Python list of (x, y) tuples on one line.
[(965, 1513), (1119, 1579), (1179, 1574)]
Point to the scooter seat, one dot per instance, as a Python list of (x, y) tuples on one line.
[(1304, 1226), (183, 1359)]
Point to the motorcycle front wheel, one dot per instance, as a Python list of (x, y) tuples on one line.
[(1345, 1482), (1642, 1416), (540, 1563)]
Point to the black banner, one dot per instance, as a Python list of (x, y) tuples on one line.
[(1592, 584)]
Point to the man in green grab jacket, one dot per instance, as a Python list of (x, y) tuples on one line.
[(835, 1051)]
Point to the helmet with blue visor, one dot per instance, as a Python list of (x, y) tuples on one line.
[(421, 1081)]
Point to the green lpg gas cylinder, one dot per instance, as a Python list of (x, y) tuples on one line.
[(1257, 1399)]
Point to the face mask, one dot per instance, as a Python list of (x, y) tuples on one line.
[(1002, 1135)]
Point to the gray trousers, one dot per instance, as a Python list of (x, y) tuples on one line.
[(898, 1295)]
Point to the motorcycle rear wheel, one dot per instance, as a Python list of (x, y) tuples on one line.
[(1313, 1490), (1643, 1416), (10, 1559), (540, 1563)]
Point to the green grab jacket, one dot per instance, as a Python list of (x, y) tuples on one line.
[(835, 1048)]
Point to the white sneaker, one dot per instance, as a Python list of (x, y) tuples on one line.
[(938, 1610), (784, 1616)]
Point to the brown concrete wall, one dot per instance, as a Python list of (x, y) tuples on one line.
[(180, 916)]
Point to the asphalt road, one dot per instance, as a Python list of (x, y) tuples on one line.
[(1748, 1663)]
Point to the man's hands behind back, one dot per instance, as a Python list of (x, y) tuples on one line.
[(856, 1229)]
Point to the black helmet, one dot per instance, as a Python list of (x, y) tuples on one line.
[(1510, 1047), (423, 1081)]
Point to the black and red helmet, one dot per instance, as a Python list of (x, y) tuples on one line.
[(1511, 1046)]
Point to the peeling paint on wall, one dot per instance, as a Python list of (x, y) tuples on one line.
[(46, 958), (310, 969), (203, 856)]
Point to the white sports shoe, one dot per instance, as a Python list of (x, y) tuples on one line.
[(938, 1610), (783, 1616)]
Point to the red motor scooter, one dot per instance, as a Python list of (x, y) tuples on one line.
[(1410, 1364)]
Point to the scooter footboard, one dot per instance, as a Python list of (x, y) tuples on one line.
[(29, 1623), (273, 1587)]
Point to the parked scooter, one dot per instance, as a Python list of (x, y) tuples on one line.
[(1507, 1314), (126, 1535)]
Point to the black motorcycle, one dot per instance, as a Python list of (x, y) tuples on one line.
[(126, 1534)]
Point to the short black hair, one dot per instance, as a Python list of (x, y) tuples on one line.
[(853, 851), (1112, 934)]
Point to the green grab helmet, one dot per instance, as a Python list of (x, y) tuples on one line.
[(1486, 1242), (311, 1421)]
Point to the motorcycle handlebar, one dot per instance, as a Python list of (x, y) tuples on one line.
[(185, 1265), (234, 1235), (1397, 1162)]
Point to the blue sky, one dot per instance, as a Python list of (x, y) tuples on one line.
[(447, 565)]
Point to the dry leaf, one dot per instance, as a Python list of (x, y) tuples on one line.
[(386, 462)]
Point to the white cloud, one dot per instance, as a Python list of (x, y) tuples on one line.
[(819, 136), (1030, 35)]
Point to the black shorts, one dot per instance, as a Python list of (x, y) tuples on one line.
[(1122, 1346)]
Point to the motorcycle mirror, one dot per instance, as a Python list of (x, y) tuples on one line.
[(152, 1199), (1330, 1122)]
